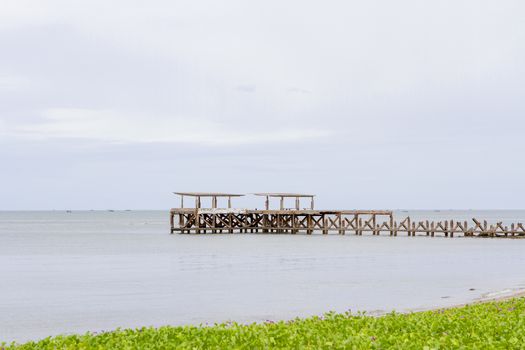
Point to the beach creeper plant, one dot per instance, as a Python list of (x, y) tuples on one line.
[(493, 325)]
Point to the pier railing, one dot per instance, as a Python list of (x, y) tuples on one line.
[(358, 222)]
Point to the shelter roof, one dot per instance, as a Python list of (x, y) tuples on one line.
[(271, 194), (208, 194)]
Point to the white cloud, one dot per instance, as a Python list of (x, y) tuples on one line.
[(246, 88), (364, 46), (3, 129), (14, 83), (112, 126), (387, 90)]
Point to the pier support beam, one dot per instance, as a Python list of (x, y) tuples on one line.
[(197, 222)]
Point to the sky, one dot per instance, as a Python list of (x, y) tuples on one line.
[(367, 104)]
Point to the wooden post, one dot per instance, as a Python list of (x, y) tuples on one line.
[(267, 203), (325, 225), (297, 203), (214, 202), (181, 222), (309, 224), (204, 224), (391, 225), (172, 223), (182, 201), (229, 202), (312, 203), (197, 221), (282, 203)]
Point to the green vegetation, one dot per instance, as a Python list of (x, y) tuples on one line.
[(494, 325)]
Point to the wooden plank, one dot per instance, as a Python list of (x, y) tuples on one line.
[(293, 221)]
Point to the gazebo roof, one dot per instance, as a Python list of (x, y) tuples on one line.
[(208, 194), (272, 194)]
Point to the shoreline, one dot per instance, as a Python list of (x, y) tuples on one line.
[(487, 319), (505, 294), (497, 296)]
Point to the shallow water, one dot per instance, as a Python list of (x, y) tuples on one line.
[(90, 271)]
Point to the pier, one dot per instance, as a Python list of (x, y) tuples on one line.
[(308, 221)]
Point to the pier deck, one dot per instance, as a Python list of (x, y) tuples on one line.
[(278, 221), (293, 221)]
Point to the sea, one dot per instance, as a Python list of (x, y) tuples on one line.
[(73, 272)]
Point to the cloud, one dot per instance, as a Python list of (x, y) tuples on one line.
[(112, 126), (298, 90), (379, 90), (245, 88), (9, 83)]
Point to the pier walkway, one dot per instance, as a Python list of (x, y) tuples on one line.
[(295, 220)]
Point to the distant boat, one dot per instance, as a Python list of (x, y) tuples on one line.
[(68, 211)]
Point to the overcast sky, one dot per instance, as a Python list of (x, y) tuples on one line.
[(368, 104)]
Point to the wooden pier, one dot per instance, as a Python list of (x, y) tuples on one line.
[(309, 221)]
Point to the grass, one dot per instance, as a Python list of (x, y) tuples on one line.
[(493, 325)]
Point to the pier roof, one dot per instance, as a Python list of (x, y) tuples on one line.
[(208, 194), (271, 194)]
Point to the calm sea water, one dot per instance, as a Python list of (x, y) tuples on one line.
[(91, 271)]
